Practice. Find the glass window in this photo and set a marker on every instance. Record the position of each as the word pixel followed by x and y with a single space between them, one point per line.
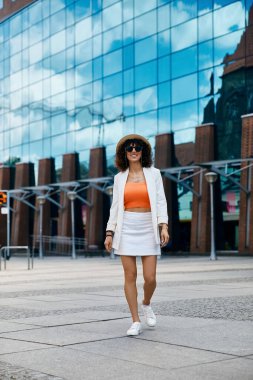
pixel 70 14
pixel 84 138
pixel 145 50
pixel 113 108
pixel 164 94
pixel 83 30
pixel 182 10
pixel 206 110
pixel 112 16
pixel 205 83
pixel 112 85
pixel 206 55
pixel 15 24
pixel 83 95
pixel 204 6
pixel 57 22
pixel 184 62
pixel 128 104
pixel 1 4
pixel 184 89
pixel 15 44
pixel 164 44
pixel 35 33
pixel 16 62
pixel 112 62
pixel 205 27
pixel 97 23
pixel 128 80
pixel 164 68
pixel 143 6
pixel 35 53
pixel 189 33
pixel 112 40
pixel 128 9
pixel 83 52
pixel 164 115
pixel 146 122
pixel 36 130
pixel 128 32
pixel 56 5
pixel 145 25
pixel 229 18
pixel 97 68
pixel 128 56
pixel 58 62
pixel 146 100
pixel 70 138
pixel 146 74
pixel 83 73
pixel 97 91
pixel 97 46
pixel 185 116
pixel 58 144
pixel 164 17
pixel 58 124
pixel 225 45
pixel 58 42
pixel 82 9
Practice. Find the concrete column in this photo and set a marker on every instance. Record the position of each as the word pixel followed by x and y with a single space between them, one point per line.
pixel 98 214
pixel 70 172
pixel 6 183
pixel 22 217
pixel 46 175
pixel 246 201
pixel 165 158
pixel 200 225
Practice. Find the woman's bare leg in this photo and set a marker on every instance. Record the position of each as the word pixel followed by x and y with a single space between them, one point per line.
pixel 130 271
pixel 149 275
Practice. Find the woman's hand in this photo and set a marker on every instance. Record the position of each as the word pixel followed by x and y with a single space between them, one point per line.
pixel 108 243
pixel 164 236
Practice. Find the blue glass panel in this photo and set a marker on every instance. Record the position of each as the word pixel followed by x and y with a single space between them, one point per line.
pixel 188 30
pixel 83 73
pixel 70 57
pixel 146 74
pixel 146 99
pixel 56 5
pixel 184 89
pixel 206 55
pixel 128 56
pixel 16 44
pixel 145 25
pixel 83 30
pixel 184 62
pixel 184 116
pixel 205 83
pixel 143 6
pixel 83 95
pixel 145 50
pixel 84 139
pixel 47 148
pixel 128 9
pixel 222 3
pixel 15 24
pixel 97 23
pixel 58 123
pixel 164 17
pixel 205 27
pixel 164 115
pixel 58 42
pixel 97 68
pixel 46 127
pixel 58 62
pixel 182 10
pixel 112 85
pixel 164 94
pixel 97 46
pixel 146 122
pixel 97 91
pixel 58 144
pixel 164 68
pixel 224 22
pixel 35 33
pixel 128 80
pixel 70 137
pixel 112 16
pixel 16 136
pixel 57 22
pixel 206 110
pixel 25 18
pixel 112 40
pixel 227 45
pixel 96 5
pixel 112 62
pixel 106 3
pixel 36 130
pixel 204 6
pixel 113 109
pixel 16 62
pixel 128 32
pixel 112 132
pixel 35 53
pixel 82 9
pixel 70 14
pixel 35 12
pixel 83 52
pixel 128 104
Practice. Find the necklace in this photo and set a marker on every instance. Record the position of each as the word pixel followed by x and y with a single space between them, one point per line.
pixel 136 177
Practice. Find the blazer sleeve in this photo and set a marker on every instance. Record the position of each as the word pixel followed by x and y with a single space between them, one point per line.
pixel 162 214
pixel 112 222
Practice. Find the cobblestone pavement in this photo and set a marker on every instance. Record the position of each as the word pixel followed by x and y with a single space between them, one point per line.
pixel 190 290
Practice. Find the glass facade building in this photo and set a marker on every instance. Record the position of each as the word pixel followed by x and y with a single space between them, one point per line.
pixel 80 74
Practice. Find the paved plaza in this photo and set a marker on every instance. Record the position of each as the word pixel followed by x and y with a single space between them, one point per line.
pixel 67 319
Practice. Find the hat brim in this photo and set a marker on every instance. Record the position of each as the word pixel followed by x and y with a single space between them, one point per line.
pixel 131 137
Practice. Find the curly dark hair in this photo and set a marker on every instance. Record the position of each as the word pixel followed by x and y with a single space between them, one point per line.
pixel 121 160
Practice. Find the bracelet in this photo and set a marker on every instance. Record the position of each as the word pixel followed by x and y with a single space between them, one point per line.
pixel 108 235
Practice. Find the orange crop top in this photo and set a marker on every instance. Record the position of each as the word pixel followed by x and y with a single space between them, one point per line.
pixel 136 195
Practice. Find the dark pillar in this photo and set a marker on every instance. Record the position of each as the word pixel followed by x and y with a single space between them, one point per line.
pixel 46 175
pixel 165 158
pixel 6 183
pixel 200 225
pixel 97 215
pixel 70 172
pixel 246 201
pixel 22 217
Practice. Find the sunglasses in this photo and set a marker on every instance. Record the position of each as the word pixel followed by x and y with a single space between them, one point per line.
pixel 137 148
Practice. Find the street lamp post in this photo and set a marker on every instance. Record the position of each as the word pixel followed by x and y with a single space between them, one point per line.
pixel 72 197
pixel 109 192
pixel 211 178
pixel 41 199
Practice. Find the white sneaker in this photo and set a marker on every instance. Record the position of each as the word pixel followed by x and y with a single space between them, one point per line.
pixel 135 329
pixel 149 315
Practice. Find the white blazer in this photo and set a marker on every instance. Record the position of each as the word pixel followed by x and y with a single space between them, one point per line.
pixel 157 202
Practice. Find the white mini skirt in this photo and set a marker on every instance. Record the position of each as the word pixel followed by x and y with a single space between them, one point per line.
pixel 137 235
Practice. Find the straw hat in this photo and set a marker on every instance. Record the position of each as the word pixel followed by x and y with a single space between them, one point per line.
pixel 131 137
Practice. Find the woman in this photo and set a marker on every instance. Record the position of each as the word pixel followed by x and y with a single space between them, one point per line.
pixel 138 211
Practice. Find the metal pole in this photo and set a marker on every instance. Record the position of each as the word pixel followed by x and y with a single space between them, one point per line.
pixel 213 252
pixel 40 229
pixel 73 229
